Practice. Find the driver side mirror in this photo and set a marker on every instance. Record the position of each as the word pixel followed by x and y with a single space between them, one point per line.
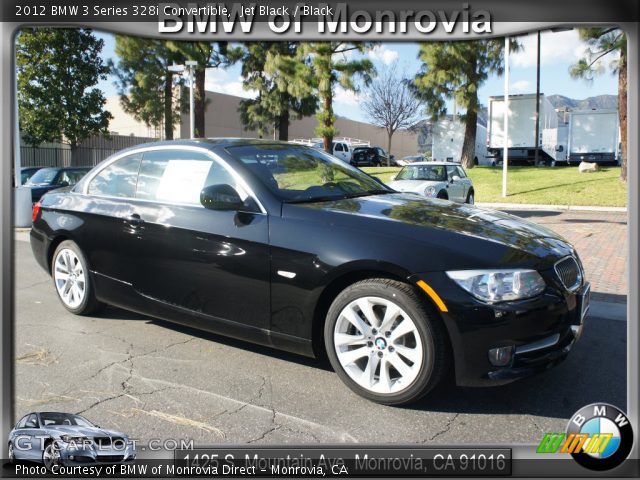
pixel 64 183
pixel 455 178
pixel 392 178
pixel 221 197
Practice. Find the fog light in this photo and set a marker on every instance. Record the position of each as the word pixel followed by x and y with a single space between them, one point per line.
pixel 501 356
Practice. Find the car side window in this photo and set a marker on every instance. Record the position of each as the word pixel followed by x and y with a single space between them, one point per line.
pixel 451 171
pixel 22 422
pixel 339 147
pixel 74 176
pixel 32 421
pixel 461 173
pixel 178 176
pixel 118 179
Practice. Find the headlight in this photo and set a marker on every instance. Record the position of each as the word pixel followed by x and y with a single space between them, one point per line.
pixel 499 285
pixel 78 441
pixel 430 191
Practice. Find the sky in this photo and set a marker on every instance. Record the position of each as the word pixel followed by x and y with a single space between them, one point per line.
pixel 559 50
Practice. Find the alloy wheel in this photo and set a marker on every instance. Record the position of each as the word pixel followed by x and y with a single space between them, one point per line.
pixel 70 278
pixel 50 456
pixel 378 345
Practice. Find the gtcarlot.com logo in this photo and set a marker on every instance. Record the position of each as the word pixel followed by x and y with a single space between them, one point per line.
pixel 599 437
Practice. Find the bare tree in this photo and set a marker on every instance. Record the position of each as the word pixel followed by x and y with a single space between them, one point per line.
pixel 390 103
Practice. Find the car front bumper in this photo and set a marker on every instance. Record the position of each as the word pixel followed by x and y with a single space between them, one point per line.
pixel 539 332
pixel 88 455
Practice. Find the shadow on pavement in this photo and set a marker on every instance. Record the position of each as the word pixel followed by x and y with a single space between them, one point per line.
pixel 595 371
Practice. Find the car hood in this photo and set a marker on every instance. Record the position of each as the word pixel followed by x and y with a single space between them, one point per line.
pixel 83 431
pixel 413 185
pixel 445 225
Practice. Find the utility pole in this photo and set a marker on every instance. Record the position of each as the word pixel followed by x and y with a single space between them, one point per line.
pixel 536 158
pixel 505 136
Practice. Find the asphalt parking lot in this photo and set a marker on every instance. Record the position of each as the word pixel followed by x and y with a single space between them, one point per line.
pixel 154 380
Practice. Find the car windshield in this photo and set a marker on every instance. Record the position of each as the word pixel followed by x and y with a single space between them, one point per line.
pixel 55 418
pixel 435 173
pixel 300 174
pixel 44 176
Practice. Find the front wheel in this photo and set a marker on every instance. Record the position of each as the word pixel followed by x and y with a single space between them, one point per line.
pixel 383 343
pixel 72 280
pixel 471 198
pixel 50 456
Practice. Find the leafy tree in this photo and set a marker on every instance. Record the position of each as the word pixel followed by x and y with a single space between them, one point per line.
pixel 602 42
pixel 332 66
pixel 208 55
pixel 456 70
pixel 272 69
pixel 391 104
pixel 57 69
pixel 144 82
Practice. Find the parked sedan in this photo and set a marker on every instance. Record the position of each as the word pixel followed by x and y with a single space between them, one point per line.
pixel 55 439
pixel 444 180
pixel 50 178
pixel 369 157
pixel 306 253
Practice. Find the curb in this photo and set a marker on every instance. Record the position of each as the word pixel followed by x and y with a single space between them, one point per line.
pixel 535 206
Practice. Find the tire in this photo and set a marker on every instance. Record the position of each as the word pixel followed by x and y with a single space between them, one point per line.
pixel 73 284
pixel 471 200
pixel 380 368
pixel 442 195
pixel 50 456
pixel 12 454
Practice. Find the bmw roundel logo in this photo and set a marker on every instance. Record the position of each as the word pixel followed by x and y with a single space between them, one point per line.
pixel 605 435
pixel 381 343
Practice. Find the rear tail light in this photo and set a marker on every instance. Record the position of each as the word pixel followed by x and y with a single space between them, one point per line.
pixel 35 211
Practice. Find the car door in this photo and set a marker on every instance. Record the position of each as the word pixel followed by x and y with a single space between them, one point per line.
pixel 456 187
pixel 466 181
pixel 382 156
pixel 19 439
pixel 213 263
pixel 32 439
pixel 338 150
pixel 108 217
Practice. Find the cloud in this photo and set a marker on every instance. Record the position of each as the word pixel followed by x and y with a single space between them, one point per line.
pixel 520 86
pixel 346 98
pixel 556 48
pixel 218 80
pixel 383 54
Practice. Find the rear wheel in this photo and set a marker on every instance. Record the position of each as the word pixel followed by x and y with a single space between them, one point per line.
pixel 383 343
pixel 72 280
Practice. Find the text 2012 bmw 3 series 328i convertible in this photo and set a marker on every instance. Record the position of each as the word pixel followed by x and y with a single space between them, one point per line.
pixel 285 246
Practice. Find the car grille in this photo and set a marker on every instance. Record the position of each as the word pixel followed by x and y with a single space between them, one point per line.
pixel 569 273
pixel 107 441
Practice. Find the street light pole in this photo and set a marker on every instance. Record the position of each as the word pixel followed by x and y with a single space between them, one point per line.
pixel 191 65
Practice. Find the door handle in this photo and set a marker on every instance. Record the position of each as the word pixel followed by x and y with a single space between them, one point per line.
pixel 134 220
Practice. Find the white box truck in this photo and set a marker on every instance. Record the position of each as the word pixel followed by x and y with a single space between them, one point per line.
pixel 522 128
pixel 594 136
pixel 448 137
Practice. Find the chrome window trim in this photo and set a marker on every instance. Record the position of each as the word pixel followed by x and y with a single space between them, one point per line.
pixel 216 158
pixel 578 284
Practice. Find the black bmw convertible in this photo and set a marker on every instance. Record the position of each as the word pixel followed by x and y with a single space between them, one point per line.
pixel 286 246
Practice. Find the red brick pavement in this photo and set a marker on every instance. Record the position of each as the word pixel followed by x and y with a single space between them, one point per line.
pixel 601 241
